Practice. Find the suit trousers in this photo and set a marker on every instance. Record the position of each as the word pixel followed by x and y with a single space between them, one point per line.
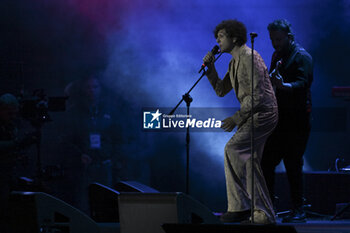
pixel 238 165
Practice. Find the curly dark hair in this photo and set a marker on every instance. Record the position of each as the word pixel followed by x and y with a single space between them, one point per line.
pixel 281 25
pixel 234 28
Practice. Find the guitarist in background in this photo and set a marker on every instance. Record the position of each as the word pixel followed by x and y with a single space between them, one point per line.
pixel 291 74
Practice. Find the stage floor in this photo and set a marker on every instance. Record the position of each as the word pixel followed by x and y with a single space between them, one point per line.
pixel 320 226
pixel 311 226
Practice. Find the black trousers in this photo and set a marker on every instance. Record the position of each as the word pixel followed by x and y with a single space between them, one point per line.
pixel 288 143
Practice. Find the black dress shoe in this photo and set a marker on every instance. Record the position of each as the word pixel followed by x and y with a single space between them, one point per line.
pixel 237 216
pixel 296 216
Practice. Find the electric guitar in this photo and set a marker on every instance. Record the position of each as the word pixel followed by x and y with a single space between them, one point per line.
pixel 274 73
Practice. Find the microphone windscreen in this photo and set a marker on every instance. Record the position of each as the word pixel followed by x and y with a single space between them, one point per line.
pixel 215 50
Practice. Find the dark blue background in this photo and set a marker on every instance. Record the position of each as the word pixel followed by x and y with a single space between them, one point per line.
pixel 149 53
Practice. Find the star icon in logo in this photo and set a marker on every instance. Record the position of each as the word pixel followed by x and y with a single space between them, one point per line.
pixel 156 115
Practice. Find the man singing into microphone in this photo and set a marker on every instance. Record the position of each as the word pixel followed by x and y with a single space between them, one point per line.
pixel 231 35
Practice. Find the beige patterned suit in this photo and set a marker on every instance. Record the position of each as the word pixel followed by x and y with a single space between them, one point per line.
pixel 238 148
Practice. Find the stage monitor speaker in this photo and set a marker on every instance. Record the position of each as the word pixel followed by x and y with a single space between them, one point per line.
pixel 36 212
pixel 104 200
pixel 146 212
pixel 225 228
pixel 103 203
pixel 133 186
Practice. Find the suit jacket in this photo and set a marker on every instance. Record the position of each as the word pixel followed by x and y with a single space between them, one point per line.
pixel 238 77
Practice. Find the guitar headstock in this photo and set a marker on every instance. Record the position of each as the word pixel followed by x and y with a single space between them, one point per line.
pixel 278 64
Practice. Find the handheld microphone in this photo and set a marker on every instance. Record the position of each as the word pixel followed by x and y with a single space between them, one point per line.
pixel 214 51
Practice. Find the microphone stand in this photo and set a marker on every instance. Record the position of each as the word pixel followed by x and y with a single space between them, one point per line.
pixel 252 36
pixel 188 99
